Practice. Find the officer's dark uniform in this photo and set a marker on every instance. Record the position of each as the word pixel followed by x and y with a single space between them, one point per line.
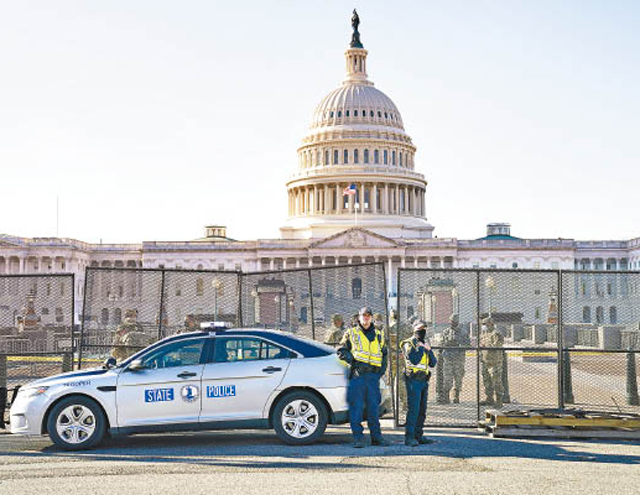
pixel 417 374
pixel 366 353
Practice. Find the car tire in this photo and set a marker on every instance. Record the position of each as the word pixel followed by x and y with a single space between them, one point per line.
pixel 76 423
pixel 300 418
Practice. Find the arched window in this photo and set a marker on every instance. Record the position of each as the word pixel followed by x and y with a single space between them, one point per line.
pixel 393 157
pixel 385 157
pixel 355 157
pixel 356 288
pixel 345 156
pixel 104 317
pixel 347 113
pixel 199 287
pixel 401 158
pixel 613 315
pixel 335 157
pixel 371 113
pixel 117 316
pixel 379 114
pixel 326 157
pixel 366 156
pixel 376 156
pixel 599 315
pixel 339 113
pixel 355 113
pixel 586 314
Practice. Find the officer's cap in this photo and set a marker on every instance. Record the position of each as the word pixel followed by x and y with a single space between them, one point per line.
pixel 366 311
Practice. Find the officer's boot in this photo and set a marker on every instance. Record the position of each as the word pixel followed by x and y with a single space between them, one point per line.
pixel 456 396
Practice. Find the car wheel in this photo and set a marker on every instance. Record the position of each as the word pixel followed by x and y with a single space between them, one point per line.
pixel 300 418
pixel 76 423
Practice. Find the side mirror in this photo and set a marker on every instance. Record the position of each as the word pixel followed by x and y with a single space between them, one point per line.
pixel 109 363
pixel 136 365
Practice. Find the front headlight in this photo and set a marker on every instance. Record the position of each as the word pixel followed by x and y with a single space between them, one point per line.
pixel 34 391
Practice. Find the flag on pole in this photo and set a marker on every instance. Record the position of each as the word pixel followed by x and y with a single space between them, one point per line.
pixel 349 190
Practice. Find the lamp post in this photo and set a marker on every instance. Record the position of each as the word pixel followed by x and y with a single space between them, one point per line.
pixel 216 284
pixel 491 285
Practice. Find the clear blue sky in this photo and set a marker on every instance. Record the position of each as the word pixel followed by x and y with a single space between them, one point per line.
pixel 150 119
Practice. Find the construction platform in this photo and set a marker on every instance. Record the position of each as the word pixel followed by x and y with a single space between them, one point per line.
pixel 560 423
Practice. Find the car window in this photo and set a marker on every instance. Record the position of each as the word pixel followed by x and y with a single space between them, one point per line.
pixel 232 349
pixel 181 353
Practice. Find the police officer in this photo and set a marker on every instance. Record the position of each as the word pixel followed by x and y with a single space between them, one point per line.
pixel 418 358
pixel 364 349
pixel 491 360
pixel 454 359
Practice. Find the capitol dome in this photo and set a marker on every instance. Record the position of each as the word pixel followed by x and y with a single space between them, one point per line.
pixel 356 164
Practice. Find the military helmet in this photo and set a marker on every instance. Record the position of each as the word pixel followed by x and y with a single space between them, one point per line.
pixel 419 325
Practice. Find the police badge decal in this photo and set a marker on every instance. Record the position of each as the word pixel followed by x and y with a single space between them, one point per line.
pixel 189 393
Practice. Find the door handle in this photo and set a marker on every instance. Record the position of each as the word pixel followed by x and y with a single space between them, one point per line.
pixel 186 374
pixel 271 369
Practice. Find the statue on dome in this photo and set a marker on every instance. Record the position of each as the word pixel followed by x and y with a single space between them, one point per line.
pixel 355 37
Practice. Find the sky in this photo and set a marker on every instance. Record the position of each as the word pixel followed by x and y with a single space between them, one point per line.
pixel 147 120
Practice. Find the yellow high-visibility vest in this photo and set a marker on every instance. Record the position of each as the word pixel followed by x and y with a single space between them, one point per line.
pixel 365 351
pixel 422 366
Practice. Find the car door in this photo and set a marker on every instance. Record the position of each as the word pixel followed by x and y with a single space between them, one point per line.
pixel 240 375
pixel 167 389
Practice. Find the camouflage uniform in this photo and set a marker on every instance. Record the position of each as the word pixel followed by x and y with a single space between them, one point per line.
pixel 129 337
pixel 333 336
pixel 492 364
pixel 454 359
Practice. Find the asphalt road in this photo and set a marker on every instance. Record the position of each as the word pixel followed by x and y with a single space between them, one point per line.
pixel 248 462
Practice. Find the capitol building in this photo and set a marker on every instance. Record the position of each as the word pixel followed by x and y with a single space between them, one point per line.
pixel 356 195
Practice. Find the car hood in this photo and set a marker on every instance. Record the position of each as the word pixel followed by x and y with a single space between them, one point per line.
pixel 81 375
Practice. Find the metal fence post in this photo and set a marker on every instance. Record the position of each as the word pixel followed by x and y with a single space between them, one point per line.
pixel 73 316
pixel 560 343
pixel 632 382
pixel 3 370
pixel 313 320
pixel 393 376
pixel 239 284
pixel 84 318
pixel 162 282
pixel 478 345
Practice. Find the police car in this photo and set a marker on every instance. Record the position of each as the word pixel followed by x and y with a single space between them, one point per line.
pixel 215 379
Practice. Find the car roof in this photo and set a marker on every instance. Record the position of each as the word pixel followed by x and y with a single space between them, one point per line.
pixel 302 345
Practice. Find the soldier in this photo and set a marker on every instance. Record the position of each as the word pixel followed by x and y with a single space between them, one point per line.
pixel 128 336
pixel 454 359
pixel 190 325
pixel 491 363
pixel 335 332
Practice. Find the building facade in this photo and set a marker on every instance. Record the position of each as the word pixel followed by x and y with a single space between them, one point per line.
pixel 355 197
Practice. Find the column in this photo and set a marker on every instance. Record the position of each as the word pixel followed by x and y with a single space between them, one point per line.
pixel 284 263
pixel 403 262
pixel 327 200
pixel 405 201
pixel 336 260
pixel 324 261
pixel 390 276
pixel 373 198
pixel 349 260
pixel 350 208
pixel 397 205
pixel 316 208
pixel 259 265
pixel 271 260
pixel 297 262
pixel 385 199
pixel 310 263
pixel 339 199
pixel 415 262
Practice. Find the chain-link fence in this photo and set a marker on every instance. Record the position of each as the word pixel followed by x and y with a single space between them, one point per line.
pixel 518 358
pixel 36 328
pixel 126 309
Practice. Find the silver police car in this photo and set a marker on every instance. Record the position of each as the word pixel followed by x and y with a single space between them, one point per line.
pixel 222 379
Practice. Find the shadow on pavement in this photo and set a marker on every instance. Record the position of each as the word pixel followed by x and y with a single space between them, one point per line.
pixel 226 448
